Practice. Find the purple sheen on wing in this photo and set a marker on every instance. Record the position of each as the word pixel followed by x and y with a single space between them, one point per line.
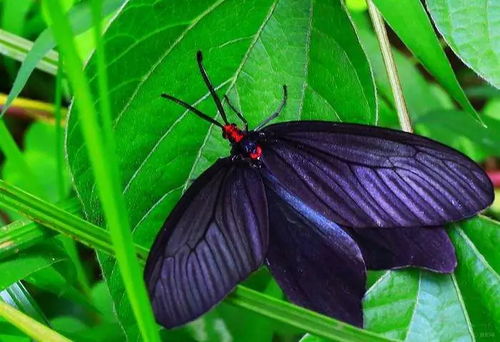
pixel 319 268
pixel 214 238
pixel 427 247
pixel 364 176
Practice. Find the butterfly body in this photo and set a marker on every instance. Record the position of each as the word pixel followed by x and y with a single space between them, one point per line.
pixel 244 144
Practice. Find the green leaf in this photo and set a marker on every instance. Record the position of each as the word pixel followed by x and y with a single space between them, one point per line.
pixel 28 325
pixel 417 306
pixel 24 264
pixel 24 233
pixel 248 326
pixel 13 19
pixel 14 15
pixel 411 23
pixel 17 48
pixel 471 29
pixel 309 45
pixel 19 236
pixel 78 331
pixel 451 126
pixel 40 155
pixel 60 281
pixel 476 243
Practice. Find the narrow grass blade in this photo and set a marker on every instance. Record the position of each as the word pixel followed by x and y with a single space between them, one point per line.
pixel 24 233
pixel 18 296
pixel 18 48
pixel 40 51
pixel 101 153
pixel 29 326
pixel 19 236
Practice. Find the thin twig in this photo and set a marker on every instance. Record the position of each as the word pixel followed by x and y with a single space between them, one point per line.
pixel 390 67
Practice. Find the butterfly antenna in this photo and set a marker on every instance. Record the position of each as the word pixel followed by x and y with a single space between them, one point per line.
pixel 218 103
pixel 238 113
pixel 277 112
pixel 192 109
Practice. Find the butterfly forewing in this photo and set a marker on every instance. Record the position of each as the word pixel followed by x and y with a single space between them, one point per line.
pixel 363 176
pixel 214 238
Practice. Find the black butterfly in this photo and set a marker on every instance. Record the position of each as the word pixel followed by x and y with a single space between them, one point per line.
pixel 319 202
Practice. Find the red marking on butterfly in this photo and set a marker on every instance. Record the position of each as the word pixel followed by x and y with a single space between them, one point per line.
pixel 232 133
pixel 257 153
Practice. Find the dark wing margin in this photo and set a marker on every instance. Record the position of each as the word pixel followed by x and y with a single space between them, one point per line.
pixel 429 248
pixel 316 263
pixel 366 176
pixel 215 237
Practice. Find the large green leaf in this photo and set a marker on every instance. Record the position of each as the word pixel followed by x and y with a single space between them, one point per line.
pixel 251 48
pixel 417 306
pixel 20 266
pixel 471 29
pixel 422 306
pixel 476 243
pixel 452 127
pixel 411 23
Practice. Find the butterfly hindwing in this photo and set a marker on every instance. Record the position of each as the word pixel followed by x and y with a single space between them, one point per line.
pixel 316 263
pixel 215 237
pixel 366 176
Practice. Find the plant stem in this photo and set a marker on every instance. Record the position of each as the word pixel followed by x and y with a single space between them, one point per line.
pixel 390 67
pixel 104 167
pixel 59 139
pixel 102 75
pixel 29 326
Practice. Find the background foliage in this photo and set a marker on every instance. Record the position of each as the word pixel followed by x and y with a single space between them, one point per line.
pixel 328 55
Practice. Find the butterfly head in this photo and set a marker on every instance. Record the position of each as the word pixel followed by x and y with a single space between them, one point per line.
pixel 244 143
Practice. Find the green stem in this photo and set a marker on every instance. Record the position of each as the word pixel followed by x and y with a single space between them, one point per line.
pixel 390 67
pixel 24 233
pixel 104 167
pixel 102 75
pixel 59 132
pixel 57 219
pixel 29 326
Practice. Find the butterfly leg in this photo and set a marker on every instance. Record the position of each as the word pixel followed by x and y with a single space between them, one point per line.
pixel 277 112
pixel 238 113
